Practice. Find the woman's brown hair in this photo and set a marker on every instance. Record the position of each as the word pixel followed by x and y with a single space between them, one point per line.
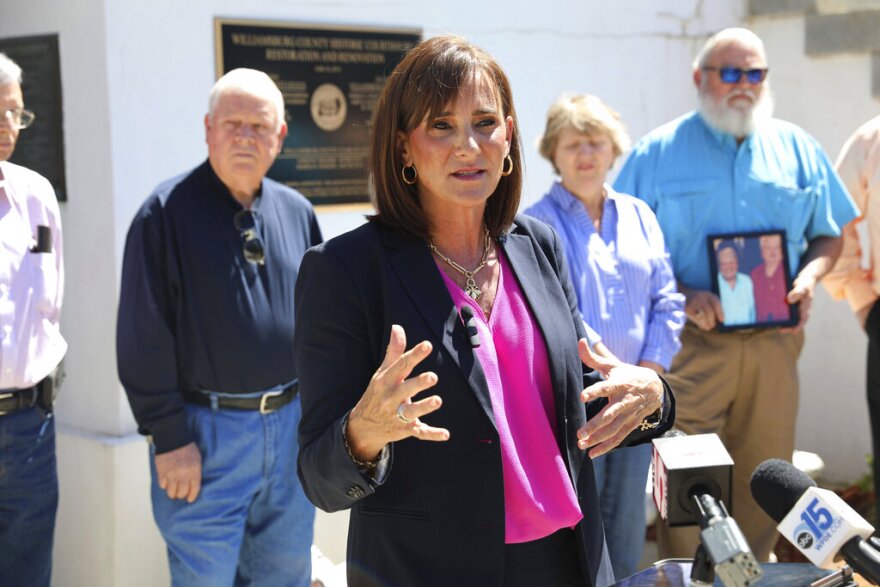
pixel 428 78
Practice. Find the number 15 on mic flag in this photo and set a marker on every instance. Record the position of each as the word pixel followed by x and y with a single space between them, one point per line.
pixel 820 523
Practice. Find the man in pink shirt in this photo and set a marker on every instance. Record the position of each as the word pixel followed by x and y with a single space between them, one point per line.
pixel 768 279
pixel 859 166
pixel 31 348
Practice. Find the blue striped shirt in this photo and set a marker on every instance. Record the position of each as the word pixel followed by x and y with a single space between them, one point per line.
pixel 622 277
pixel 699 182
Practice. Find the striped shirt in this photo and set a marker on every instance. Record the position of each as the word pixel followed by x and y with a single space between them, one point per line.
pixel 622 277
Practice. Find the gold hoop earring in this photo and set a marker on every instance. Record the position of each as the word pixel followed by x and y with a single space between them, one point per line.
pixel 415 174
pixel 509 170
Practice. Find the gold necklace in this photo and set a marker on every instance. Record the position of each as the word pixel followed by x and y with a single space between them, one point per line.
pixel 470 287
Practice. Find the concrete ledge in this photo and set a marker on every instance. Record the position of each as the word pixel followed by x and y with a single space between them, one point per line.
pixel 105 535
pixel 779 7
pixel 853 32
pixel 832 6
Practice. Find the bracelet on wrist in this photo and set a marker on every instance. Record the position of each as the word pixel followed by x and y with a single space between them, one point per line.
pixel 651 421
pixel 358 463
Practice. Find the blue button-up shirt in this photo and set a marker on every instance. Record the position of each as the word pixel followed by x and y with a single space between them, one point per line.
pixel 622 277
pixel 193 313
pixel 699 182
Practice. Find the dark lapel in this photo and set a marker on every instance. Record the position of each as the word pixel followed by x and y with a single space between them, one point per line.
pixel 418 275
pixel 523 255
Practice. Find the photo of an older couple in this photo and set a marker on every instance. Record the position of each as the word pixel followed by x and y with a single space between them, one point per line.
pixel 753 277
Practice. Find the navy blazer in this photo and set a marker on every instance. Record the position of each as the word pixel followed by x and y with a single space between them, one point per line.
pixel 438 517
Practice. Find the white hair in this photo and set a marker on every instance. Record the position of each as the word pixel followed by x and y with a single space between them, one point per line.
pixel 251 82
pixel 742 35
pixel 10 72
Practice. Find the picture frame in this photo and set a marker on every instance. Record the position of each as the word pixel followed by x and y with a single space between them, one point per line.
pixel 751 275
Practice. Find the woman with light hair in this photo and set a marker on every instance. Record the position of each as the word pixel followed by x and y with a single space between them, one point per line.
pixel 623 280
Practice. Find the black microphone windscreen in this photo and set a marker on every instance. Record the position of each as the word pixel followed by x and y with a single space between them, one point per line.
pixel 777 485
pixel 470 326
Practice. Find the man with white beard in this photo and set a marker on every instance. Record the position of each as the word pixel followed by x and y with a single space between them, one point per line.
pixel 729 167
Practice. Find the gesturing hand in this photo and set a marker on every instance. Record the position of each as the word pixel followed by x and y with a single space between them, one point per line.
pixel 386 412
pixel 633 393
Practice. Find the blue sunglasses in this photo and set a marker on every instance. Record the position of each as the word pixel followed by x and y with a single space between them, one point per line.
pixel 732 75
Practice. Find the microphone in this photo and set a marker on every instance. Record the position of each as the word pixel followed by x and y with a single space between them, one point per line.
pixel 692 479
pixel 470 326
pixel 685 466
pixel 816 521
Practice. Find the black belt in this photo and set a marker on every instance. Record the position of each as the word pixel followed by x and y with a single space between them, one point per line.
pixel 266 403
pixel 18 399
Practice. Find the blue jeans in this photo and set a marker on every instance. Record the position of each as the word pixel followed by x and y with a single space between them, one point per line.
pixel 621 476
pixel 28 497
pixel 251 523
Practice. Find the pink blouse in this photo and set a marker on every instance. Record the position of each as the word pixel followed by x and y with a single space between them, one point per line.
pixel 539 497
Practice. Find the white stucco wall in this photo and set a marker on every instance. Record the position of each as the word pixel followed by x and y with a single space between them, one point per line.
pixel 135 78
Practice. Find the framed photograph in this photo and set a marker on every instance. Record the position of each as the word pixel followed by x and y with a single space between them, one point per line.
pixel 751 278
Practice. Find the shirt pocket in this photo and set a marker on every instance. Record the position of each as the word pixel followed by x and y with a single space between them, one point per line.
pixel 44 281
pixel 786 207
pixel 685 209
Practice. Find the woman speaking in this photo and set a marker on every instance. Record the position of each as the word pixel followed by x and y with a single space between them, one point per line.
pixel 463 452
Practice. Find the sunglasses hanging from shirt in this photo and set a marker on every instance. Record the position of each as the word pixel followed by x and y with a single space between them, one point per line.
pixel 732 75
pixel 252 245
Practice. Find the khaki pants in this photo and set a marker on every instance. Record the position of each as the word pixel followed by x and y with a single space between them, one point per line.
pixel 743 386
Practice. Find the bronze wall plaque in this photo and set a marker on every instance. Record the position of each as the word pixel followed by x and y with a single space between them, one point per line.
pixel 331 78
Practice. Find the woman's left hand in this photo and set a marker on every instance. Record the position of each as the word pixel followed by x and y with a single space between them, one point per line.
pixel 633 394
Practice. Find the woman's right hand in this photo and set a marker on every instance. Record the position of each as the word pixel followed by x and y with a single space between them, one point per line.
pixel 386 412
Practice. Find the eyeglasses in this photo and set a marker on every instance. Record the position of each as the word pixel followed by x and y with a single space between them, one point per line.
pixel 252 247
pixel 18 117
pixel 239 128
pixel 732 75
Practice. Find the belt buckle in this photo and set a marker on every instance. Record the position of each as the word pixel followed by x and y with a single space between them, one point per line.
pixel 5 396
pixel 264 409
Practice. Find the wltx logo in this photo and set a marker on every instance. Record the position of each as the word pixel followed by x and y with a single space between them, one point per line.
pixel 816 527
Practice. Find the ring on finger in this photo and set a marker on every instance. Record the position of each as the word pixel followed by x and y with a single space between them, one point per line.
pixel 400 415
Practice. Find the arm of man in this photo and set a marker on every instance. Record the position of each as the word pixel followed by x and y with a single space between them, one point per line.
pixel 819 258
pixel 147 355
pixel 848 279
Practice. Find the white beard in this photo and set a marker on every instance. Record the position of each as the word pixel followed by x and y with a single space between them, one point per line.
pixel 733 120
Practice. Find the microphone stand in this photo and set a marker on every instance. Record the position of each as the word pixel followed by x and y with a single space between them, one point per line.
pixel 723 548
pixel 702 571
pixel 843 577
